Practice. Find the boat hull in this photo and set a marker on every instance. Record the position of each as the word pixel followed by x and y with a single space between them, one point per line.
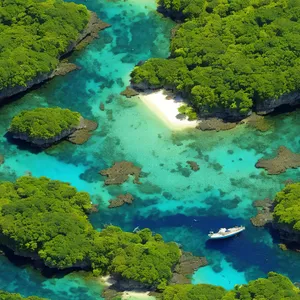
pixel 217 236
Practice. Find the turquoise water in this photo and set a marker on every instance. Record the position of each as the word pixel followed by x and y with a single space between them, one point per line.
pixel 180 204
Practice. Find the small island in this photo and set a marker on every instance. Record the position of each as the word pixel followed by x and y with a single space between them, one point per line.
pixel 45 126
pixel 46 220
pixel 33 40
pixel 225 61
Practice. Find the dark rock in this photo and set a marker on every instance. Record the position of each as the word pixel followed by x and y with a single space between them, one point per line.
pixel 102 107
pixel 194 166
pixel 268 106
pixel 181 116
pixel 284 160
pixel 119 173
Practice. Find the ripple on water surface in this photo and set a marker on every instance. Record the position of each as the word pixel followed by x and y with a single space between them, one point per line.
pixel 173 200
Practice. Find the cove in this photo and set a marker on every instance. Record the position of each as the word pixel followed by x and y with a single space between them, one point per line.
pixel 172 200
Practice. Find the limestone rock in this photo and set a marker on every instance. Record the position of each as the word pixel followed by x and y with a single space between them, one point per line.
pixel 187 265
pixel 83 133
pixel 215 124
pixel 121 200
pixel 284 160
pixel 119 173
pixel 129 92
pixel 264 212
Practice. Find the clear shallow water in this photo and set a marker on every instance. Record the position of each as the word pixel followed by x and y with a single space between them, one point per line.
pixel 180 204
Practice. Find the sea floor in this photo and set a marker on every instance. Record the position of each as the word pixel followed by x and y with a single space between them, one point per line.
pixel 172 200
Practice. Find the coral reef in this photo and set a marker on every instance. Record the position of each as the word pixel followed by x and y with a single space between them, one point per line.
pixel 187 265
pixel 121 200
pixel 82 134
pixel 194 166
pixel 215 124
pixel 129 92
pixel 120 171
pixel 264 212
pixel 284 160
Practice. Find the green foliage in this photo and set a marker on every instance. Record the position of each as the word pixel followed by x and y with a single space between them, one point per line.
pixel 12 296
pixel 189 111
pixel 44 123
pixel 33 34
pixel 274 287
pixel 287 207
pixel 230 53
pixel 193 292
pixel 43 217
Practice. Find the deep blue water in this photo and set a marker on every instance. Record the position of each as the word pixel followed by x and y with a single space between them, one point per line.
pixel 172 200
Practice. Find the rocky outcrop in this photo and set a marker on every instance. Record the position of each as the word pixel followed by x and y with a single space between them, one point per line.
pixel 77 135
pixel 129 92
pixel 284 160
pixel 258 122
pixel 215 124
pixel 121 200
pixel 287 234
pixel 83 133
pixel 268 106
pixel 194 166
pixel 264 212
pixel 119 173
pixel 187 265
pixel 89 33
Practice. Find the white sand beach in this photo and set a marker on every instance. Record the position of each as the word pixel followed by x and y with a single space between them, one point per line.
pixel 136 296
pixel 166 109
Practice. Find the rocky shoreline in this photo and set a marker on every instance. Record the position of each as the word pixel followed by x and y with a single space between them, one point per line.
pixel 89 33
pixel 76 135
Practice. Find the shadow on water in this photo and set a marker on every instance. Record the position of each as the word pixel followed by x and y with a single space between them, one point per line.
pixel 29 147
pixel 26 262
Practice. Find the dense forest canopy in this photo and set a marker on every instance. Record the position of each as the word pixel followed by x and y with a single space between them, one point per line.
pixel 274 287
pixel 13 296
pixel 33 34
pixel 44 122
pixel 287 207
pixel 48 218
pixel 229 54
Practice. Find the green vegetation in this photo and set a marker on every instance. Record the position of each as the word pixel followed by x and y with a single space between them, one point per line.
pixel 12 296
pixel 188 111
pixel 33 34
pixel 274 287
pixel 287 207
pixel 44 123
pixel 229 54
pixel 48 218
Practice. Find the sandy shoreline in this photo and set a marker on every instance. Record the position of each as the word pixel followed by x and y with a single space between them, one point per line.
pixel 166 110
pixel 126 295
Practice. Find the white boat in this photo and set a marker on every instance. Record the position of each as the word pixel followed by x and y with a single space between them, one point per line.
pixel 225 233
